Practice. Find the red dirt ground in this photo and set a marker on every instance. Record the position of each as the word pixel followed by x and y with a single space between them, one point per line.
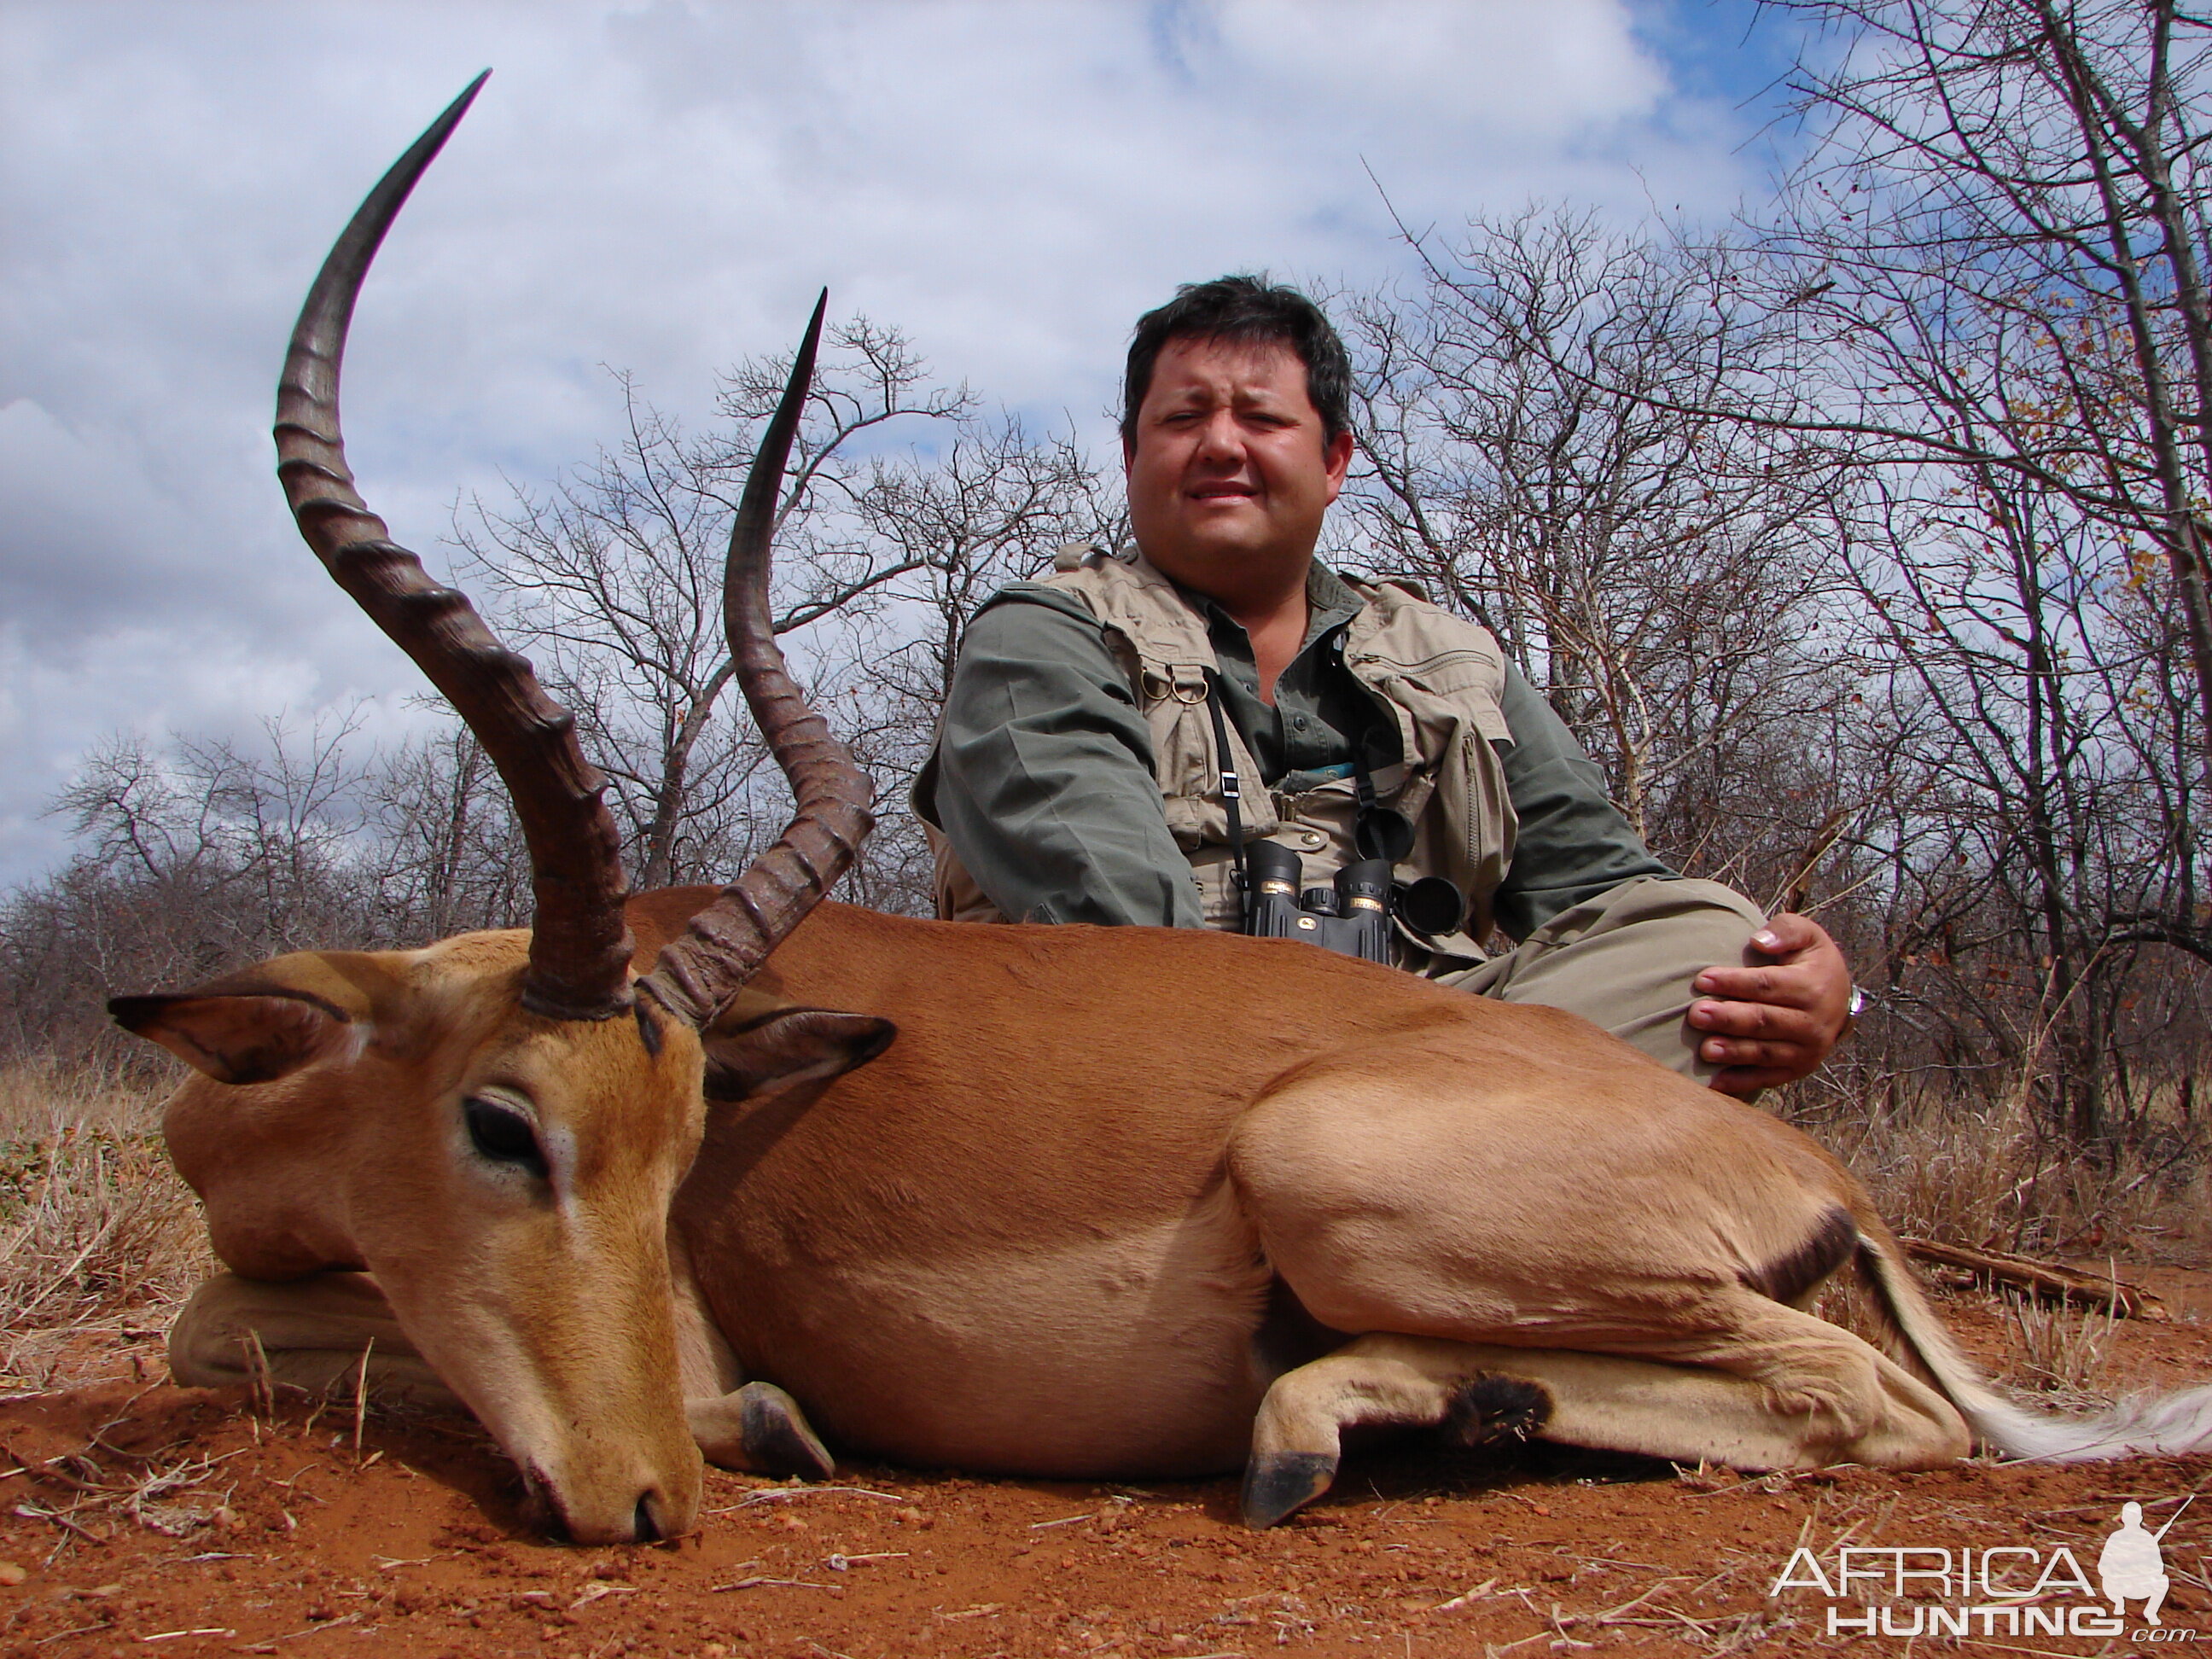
pixel 137 1517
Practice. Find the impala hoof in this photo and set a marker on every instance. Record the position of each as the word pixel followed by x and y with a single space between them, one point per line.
pixel 1276 1483
pixel 776 1438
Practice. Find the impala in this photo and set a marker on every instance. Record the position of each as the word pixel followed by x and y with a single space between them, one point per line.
pixel 736 1172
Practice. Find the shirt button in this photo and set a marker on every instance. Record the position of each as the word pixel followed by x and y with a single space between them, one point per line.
pixel 1312 838
pixel 1299 721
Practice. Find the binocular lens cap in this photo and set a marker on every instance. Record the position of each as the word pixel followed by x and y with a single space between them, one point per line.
pixel 1382 833
pixel 1432 906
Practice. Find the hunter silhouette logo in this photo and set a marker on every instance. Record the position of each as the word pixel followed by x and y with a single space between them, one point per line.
pixel 2015 1590
pixel 2131 1565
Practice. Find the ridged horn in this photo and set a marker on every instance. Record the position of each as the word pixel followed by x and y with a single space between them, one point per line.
pixel 728 940
pixel 580 947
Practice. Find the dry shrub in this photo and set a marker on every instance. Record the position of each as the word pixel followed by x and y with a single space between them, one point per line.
pixel 1982 1174
pixel 42 1097
pixel 97 1233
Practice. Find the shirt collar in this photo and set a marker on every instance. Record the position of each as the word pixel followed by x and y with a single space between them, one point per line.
pixel 1329 603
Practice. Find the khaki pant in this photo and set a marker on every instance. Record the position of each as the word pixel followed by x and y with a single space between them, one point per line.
pixel 1625 961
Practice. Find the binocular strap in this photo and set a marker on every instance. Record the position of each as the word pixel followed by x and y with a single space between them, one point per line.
pixel 1232 788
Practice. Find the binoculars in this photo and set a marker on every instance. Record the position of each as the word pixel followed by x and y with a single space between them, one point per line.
pixel 1353 914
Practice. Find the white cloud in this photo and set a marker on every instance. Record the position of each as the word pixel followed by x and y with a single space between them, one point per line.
pixel 662 187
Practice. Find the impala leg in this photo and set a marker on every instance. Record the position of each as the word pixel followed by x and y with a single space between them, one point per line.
pixel 1848 1403
pixel 311 1332
pixel 1298 1438
pixel 753 1427
pixel 1481 1393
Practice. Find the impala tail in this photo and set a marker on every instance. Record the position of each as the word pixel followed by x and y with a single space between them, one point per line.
pixel 2159 1426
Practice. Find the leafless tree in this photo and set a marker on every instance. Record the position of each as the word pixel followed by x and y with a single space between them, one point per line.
pixel 989 509
pixel 2046 813
pixel 1997 249
pixel 613 580
pixel 1531 457
pixel 447 854
pixel 195 855
pixel 886 540
pixel 1987 286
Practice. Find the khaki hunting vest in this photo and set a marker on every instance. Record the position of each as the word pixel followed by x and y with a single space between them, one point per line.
pixel 1438 677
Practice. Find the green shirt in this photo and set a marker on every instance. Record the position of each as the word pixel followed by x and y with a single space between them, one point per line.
pixel 1046 785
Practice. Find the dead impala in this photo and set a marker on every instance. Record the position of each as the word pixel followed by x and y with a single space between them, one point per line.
pixel 1060 1201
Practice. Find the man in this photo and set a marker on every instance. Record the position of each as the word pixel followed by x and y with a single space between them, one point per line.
pixel 1076 773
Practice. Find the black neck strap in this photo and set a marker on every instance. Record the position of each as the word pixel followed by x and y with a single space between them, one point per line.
pixel 1224 760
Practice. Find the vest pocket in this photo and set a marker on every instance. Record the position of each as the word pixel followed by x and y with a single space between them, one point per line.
pixel 1451 673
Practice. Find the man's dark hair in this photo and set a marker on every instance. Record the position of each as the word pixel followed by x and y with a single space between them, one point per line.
pixel 1252 310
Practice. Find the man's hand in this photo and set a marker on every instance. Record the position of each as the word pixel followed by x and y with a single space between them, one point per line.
pixel 1779 1020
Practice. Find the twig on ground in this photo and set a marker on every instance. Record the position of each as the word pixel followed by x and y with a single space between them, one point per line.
pixel 360 1398
pixel 784 1494
pixel 1465 1596
pixel 263 1383
pixel 59 1635
pixel 317 1630
pixel 33 1512
pixel 795 1584
pixel 2046 1281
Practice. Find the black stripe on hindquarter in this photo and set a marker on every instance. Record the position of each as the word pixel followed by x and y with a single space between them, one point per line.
pixel 1794 1274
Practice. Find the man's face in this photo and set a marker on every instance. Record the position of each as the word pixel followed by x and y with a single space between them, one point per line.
pixel 1229 473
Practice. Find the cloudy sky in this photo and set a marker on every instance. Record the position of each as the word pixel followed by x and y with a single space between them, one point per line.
pixel 661 186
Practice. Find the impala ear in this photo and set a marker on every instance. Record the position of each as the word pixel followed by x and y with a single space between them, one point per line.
pixel 254 1026
pixel 790 1046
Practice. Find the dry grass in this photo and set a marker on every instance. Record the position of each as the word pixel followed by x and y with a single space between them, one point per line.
pixel 98 1237
pixel 1983 1176
pixel 2060 1350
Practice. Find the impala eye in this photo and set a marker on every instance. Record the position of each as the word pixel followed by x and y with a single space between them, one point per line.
pixel 503 1136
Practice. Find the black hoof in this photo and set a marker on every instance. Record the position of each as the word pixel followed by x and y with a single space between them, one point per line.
pixel 776 1438
pixel 1276 1483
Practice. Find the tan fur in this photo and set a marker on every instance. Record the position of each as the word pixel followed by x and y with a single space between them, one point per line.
pixel 551 1320
pixel 1109 1197
pixel 1037 1234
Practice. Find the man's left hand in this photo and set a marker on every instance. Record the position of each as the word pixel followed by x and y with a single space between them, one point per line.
pixel 1774 1023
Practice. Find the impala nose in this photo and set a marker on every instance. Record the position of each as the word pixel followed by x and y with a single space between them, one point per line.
pixel 646 1528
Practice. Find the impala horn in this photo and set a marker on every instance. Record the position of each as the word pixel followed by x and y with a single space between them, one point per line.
pixel 700 971
pixel 579 946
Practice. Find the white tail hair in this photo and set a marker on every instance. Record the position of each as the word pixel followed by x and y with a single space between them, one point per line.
pixel 2148 1425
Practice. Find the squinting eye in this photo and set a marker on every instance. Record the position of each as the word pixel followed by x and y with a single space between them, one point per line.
pixel 503 1136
